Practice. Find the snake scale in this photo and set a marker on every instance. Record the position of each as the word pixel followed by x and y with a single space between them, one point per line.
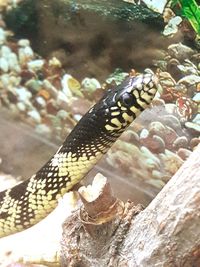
pixel 30 201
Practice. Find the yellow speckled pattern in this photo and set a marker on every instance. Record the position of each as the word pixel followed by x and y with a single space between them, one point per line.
pixel 29 202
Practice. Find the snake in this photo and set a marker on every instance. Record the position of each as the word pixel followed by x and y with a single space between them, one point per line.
pixel 30 201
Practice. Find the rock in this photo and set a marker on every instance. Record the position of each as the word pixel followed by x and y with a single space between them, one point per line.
pixel 5 51
pixel 24 42
pixel 144 133
pixel 154 143
pixel 117 76
pixel 181 142
pixel 25 55
pixel 2 36
pixel 150 156
pixel 169 137
pixel 40 102
pixel 172 27
pixel 13 62
pixel 21 106
pixel 180 51
pixel 196 119
pixel 35 116
pixel 90 84
pixel 130 136
pixel 23 95
pixel 171 121
pixel 190 79
pixel 77 117
pixel 36 64
pixel 43 129
pixel 33 85
pixel 170 108
pixel 156 128
pixel 50 88
pixel 183 153
pixel 171 161
pixel 70 86
pixel 193 127
pixel 52 107
pixel 62 114
pixel 196 98
pixel 62 100
pixel 194 142
pixel 4 66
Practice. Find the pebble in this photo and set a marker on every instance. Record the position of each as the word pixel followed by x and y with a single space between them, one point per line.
pixel 193 127
pixel 2 36
pixel 180 142
pixel 180 51
pixel 4 66
pixel 62 100
pixel 77 117
pixel 184 153
pixel 156 128
pixel 40 102
pixel 194 142
pixel 23 95
pixel 170 108
pixel 35 65
pixel 35 116
pixel 50 88
pixel 172 27
pixel 70 86
pixel 13 62
pixel 171 161
pixel 62 114
pixel 130 136
pixel 171 121
pixel 144 134
pixel 25 55
pixel 90 84
pixel 5 51
pixel 196 119
pixel 33 85
pixel 196 97
pixel 154 143
pixel 190 79
pixel 24 42
pixel 21 106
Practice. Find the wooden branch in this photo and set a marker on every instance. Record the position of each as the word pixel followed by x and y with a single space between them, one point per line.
pixel 166 233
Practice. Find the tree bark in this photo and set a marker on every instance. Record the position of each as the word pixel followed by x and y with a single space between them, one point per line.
pixel 166 233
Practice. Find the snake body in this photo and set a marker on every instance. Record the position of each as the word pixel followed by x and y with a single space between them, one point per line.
pixel 30 201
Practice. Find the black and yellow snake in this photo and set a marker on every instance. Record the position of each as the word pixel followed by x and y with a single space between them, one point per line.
pixel 30 201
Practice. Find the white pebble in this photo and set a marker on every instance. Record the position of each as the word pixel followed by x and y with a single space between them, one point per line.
pixel 2 36
pixel 23 95
pixel 35 64
pixel 90 84
pixel 13 62
pixel 41 101
pixel 144 133
pixel 4 65
pixel 35 115
pixel 24 42
pixel 77 117
pixel 196 98
pixel 5 51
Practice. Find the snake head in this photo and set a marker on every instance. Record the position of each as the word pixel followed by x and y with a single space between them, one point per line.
pixel 129 99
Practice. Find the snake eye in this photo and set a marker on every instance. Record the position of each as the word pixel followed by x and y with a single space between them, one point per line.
pixel 127 100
